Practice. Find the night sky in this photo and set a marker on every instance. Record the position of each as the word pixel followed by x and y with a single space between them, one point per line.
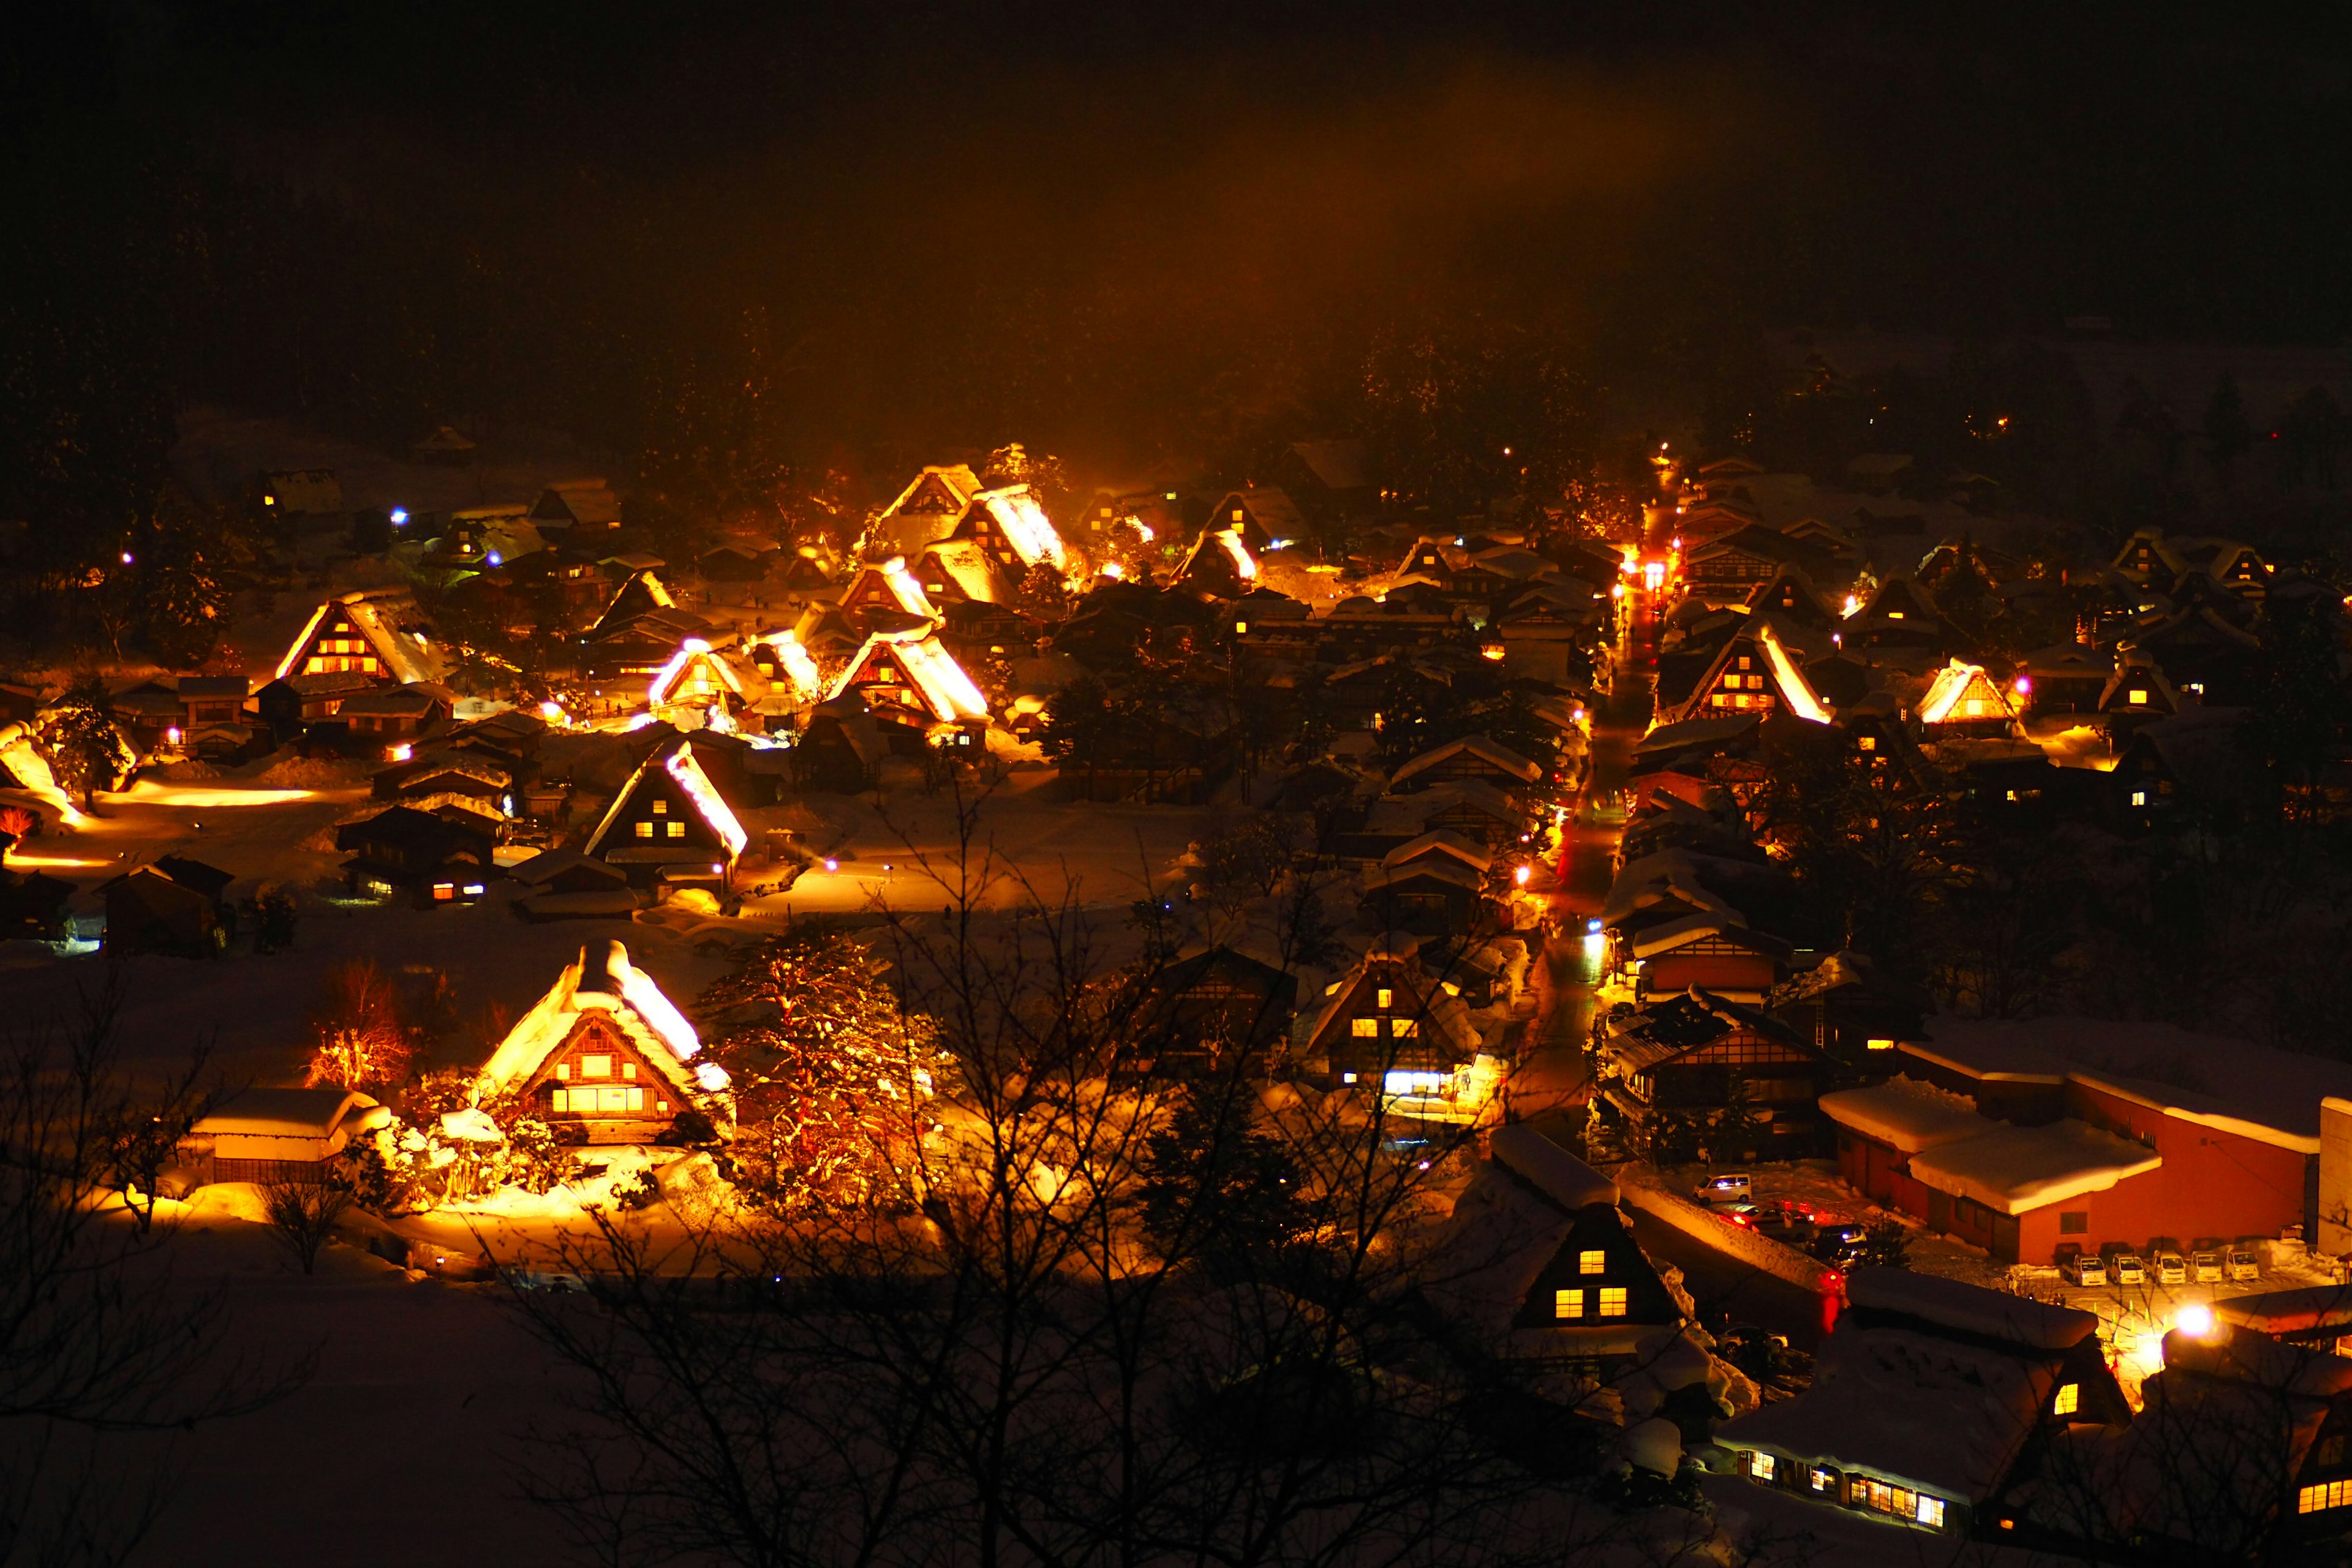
pixel 1131 227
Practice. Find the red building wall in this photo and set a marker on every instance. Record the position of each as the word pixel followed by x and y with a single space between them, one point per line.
pixel 1671 973
pixel 2211 1183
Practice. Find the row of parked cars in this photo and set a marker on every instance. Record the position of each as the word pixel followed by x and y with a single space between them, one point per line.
pixel 2206 1265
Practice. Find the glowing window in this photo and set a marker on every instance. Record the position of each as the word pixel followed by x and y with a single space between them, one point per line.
pixel 678 830
pixel 1823 1481
pixel 1567 1303
pixel 1365 1028
pixel 1893 614
pixel 1592 1262
pixel 644 830
pixel 1881 1044
pixel 562 1100
pixel 2140 798
pixel 661 808
pixel 628 1070
pixel 2138 696
pixel 442 890
pixel 2324 1496
pixel 1931 1512
pixel 2069 1400
pixel 1385 998
pixel 1405 1028
pixel 1761 1464
pixel 1241 628
pixel 563 1072
pixel 1612 1300
pixel 595 1067
pixel 1868 742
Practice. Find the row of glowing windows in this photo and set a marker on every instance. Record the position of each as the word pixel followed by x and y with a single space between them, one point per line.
pixel 615 1097
pixel 1741 699
pixel 2323 1495
pixel 1863 1491
pixel 316 666
pixel 594 1066
pixel 1398 1028
pixel 1571 1304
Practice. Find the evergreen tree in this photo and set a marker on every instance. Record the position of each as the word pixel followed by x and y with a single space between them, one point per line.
pixel 85 750
pixel 1215 1187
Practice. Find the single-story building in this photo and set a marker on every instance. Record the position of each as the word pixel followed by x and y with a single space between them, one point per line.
pixel 279 1135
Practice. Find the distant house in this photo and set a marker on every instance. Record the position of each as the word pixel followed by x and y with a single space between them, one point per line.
pixel 667 829
pixel 909 679
pixel 1389 1027
pixel 1175 754
pixel 377 633
pixel 577 509
pixel 927 510
pixel 446 446
pixel 560 884
pixel 279 1136
pixel 1471 757
pixel 1471 807
pixel 1214 1011
pixel 1790 592
pixel 34 904
pixel 1760 668
pixel 841 748
pixel 2064 678
pixel 287 706
pixel 1330 480
pixel 1260 517
pixel 1677 1070
pixel 301 492
pixel 1934 1404
pixel 1963 699
pixel 606 1057
pixel 404 851
pixel 1220 563
pixel 394 715
pixel 1538 1261
pixel 1849 1010
pixel 1430 896
pixel 738 560
pixel 886 596
pixel 1012 528
pixel 173 906
pixel 1714 953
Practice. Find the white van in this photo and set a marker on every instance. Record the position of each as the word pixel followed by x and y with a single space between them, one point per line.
pixel 1731 1187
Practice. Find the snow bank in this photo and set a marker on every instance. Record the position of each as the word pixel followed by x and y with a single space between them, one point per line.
pixel 1969 1308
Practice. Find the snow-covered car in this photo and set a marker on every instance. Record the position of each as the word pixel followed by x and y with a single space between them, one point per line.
pixel 2244 1267
pixel 2129 1268
pixel 2205 1268
pixel 2171 1269
pixel 2085 1268
pixel 1730 1188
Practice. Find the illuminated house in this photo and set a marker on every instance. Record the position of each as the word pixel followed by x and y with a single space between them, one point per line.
pixel 1963 699
pixel 927 510
pixel 375 634
pixel 605 1057
pixel 1260 515
pixel 669 828
pixel 1934 1404
pixel 1219 563
pixel 1761 669
pixel 279 1135
pixel 909 679
pixel 429 859
pixel 1538 1260
pixel 1388 1025
pixel 1012 529
pixel 2137 693
pixel 885 596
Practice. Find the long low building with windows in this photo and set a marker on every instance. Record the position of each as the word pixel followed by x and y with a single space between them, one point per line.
pixel 2021 1140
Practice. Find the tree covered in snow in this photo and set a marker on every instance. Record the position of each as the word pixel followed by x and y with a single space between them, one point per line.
pixel 84 748
pixel 833 1078
pixel 359 1041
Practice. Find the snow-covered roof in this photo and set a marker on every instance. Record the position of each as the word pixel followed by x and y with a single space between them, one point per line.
pixel 1971 1308
pixel 1557 1173
pixel 963 562
pixel 1669 935
pixel 957 478
pixel 1440 841
pixel 1905 1114
pixel 2212 1080
pixel 945 689
pixel 1942 1414
pixel 1499 756
pixel 1963 691
pixel 1025 524
pixel 630 1001
pixel 2013 1169
pixel 285 1112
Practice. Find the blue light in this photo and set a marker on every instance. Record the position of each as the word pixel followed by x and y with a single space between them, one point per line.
pixel 399 516
pixel 494 558
pixel 1592 925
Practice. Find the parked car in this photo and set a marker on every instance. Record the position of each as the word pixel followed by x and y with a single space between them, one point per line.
pixel 2085 1268
pixel 2171 1269
pixel 2243 1266
pixel 2129 1268
pixel 1838 1242
pixel 1730 1188
pixel 2205 1268
pixel 1740 1213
